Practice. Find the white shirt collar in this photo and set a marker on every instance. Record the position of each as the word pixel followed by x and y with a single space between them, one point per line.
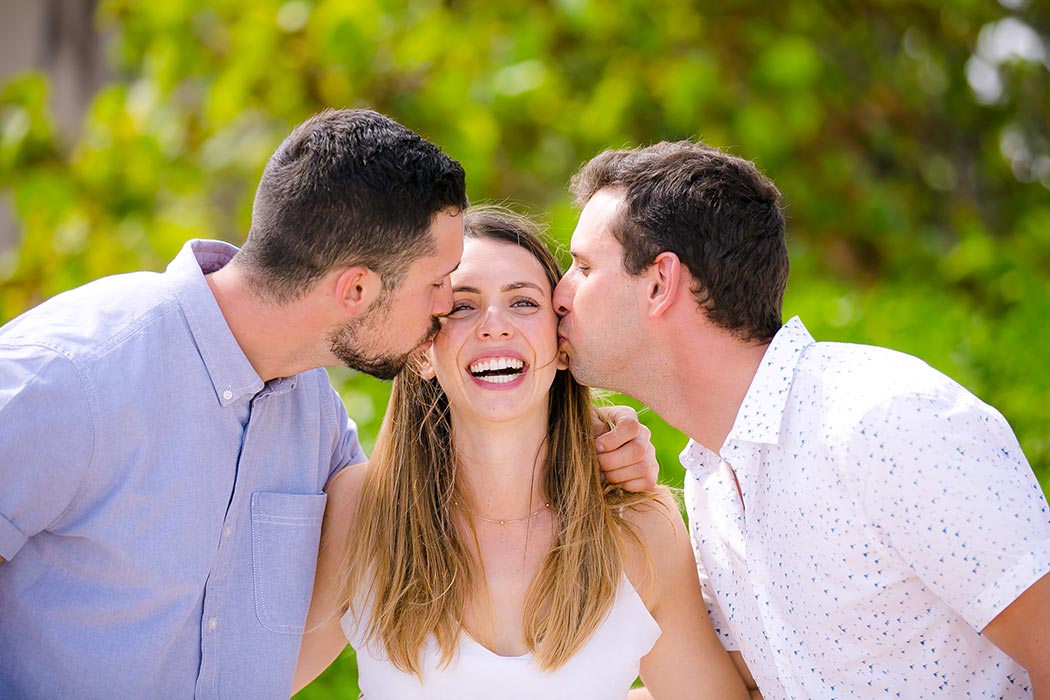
pixel 762 412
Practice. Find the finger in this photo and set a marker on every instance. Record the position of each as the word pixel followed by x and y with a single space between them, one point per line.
pixel 622 434
pixel 613 415
pixel 605 417
pixel 636 477
pixel 623 456
pixel 637 485
pixel 599 425
pixel 628 462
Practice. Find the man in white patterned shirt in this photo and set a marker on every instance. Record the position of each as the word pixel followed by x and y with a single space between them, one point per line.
pixel 864 527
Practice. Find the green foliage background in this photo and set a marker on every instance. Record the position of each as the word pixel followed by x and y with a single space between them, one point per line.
pixel 918 207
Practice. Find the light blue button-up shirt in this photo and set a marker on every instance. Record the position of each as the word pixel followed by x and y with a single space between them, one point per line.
pixel 160 506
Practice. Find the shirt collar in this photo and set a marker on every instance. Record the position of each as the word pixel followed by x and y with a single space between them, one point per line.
pixel 232 376
pixel 762 412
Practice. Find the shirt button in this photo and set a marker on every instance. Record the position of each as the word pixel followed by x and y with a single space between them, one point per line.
pixel 212 624
pixel 227 394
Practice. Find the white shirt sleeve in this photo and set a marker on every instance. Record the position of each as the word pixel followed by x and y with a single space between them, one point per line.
pixel 948 490
pixel 714 611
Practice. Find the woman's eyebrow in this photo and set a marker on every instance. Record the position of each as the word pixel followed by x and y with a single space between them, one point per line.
pixel 521 285
pixel 505 288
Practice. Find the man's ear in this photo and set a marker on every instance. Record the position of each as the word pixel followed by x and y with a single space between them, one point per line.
pixel 664 281
pixel 355 290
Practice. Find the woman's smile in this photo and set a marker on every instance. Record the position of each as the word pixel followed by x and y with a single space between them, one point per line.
pixel 498 371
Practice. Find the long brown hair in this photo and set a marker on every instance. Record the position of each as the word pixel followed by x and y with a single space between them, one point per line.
pixel 407 560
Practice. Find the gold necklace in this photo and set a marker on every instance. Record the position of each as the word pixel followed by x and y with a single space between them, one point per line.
pixel 508 521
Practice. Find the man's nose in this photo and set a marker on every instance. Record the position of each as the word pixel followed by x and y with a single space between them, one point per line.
pixel 561 299
pixel 443 300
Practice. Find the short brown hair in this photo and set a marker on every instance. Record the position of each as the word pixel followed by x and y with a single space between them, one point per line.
pixel 718 213
pixel 347 187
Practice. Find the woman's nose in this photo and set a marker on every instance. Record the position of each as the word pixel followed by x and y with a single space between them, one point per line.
pixel 495 324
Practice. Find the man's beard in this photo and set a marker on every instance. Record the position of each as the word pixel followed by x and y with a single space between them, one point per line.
pixel 346 344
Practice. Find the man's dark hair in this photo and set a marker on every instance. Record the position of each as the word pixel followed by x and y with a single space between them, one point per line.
pixel 716 212
pixel 347 187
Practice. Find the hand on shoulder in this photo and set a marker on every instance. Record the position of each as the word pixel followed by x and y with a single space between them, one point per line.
pixel 625 448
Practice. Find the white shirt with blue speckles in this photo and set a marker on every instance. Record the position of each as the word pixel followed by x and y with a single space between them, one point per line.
pixel 887 515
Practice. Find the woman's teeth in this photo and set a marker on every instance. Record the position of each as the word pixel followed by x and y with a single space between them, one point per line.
pixel 497 370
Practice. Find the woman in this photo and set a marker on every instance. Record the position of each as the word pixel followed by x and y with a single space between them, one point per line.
pixel 487 558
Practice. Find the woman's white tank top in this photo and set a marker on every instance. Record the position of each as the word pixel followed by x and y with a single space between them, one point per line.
pixel 603 669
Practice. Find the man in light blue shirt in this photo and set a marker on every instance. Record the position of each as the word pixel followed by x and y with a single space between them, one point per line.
pixel 167 437
pixel 166 508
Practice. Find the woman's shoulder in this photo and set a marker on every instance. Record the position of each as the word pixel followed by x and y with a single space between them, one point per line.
pixel 656 519
pixel 662 538
pixel 347 482
pixel 344 493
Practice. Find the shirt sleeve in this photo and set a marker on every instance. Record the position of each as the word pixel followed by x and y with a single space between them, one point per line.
pixel 46 444
pixel 714 610
pixel 949 491
pixel 346 449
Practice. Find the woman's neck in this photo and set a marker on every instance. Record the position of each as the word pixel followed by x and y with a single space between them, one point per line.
pixel 501 466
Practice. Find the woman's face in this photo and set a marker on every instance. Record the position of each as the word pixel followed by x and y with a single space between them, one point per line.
pixel 497 352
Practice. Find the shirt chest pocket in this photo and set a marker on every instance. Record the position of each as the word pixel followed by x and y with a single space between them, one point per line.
pixel 286 530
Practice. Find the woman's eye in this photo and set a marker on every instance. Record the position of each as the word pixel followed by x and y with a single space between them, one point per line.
pixel 459 306
pixel 525 303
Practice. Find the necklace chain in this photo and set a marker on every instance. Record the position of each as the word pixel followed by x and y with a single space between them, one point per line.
pixel 509 521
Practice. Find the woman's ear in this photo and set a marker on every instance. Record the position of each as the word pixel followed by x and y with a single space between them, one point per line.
pixel 424 366
pixel 562 360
